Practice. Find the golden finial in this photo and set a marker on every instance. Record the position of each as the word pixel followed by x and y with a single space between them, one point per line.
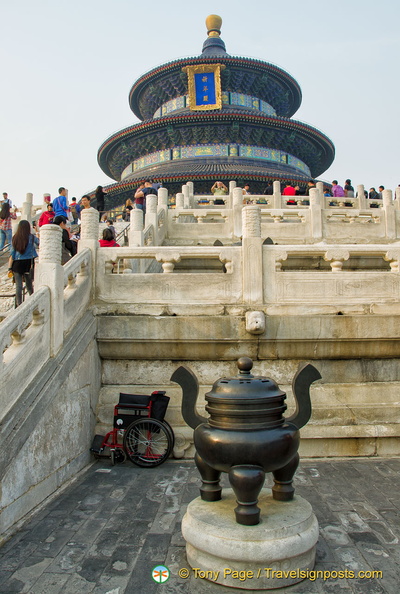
pixel 213 24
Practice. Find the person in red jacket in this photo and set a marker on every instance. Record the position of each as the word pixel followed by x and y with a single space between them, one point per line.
pixel 47 216
pixel 108 239
pixel 289 190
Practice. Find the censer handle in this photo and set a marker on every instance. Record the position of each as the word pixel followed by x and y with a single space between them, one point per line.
pixel 190 390
pixel 305 376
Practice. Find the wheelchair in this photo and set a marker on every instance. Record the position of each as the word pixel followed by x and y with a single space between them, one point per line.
pixel 139 431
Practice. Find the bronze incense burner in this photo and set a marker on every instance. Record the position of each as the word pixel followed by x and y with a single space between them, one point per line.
pixel 246 434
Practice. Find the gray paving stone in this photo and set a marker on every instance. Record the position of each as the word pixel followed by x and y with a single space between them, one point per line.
pixel 335 501
pixel 75 584
pixel 105 544
pixel 17 555
pixel 42 530
pixel 176 559
pixel 113 585
pixel 31 572
pixel 107 531
pixel 352 522
pixel 54 543
pixel 384 532
pixel 89 531
pixel 122 562
pixel 324 552
pixel 163 523
pixel 11 586
pixel 367 586
pixel 366 511
pixel 368 537
pixel 393 463
pixel 135 532
pixel 389 582
pixel 351 559
pixel 69 558
pixel 379 558
pixel 91 568
pixel 395 503
pixel 154 552
pixel 49 583
pixel 190 493
pixel 367 492
pixel 5 575
pixel 321 509
pixel 12 541
pixel 393 552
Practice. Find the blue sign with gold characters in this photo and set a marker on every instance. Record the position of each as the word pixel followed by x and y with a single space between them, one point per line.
pixel 204 82
pixel 205 88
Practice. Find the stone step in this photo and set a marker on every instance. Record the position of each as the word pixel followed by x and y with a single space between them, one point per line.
pixel 359 419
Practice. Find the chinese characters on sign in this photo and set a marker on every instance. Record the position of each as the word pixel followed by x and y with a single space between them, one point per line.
pixel 204 82
pixel 205 88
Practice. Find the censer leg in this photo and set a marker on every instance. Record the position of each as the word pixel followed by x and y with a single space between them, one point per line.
pixel 210 490
pixel 283 489
pixel 247 482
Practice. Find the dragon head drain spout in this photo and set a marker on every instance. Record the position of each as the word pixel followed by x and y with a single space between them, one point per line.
pixel 246 434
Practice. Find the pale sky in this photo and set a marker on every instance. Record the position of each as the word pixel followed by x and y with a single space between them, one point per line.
pixel 67 67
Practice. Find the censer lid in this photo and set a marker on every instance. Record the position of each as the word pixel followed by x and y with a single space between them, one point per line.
pixel 244 386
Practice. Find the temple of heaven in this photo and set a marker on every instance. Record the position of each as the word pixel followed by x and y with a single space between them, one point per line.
pixel 214 117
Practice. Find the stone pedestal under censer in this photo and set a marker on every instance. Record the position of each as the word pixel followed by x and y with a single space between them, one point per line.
pixel 275 553
pixel 248 537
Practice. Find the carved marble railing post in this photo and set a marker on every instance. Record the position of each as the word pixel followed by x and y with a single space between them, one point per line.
pixel 390 215
pixel 136 238
pixel 50 273
pixel 361 201
pixel 46 201
pixel 162 212
pixel 252 256
pixel 136 228
pixel 186 196
pixel 26 212
pixel 179 200
pixel 162 195
pixel 90 237
pixel 277 197
pixel 229 198
pixel 397 198
pixel 191 193
pixel 316 214
pixel 151 216
pixel 320 188
pixel 237 202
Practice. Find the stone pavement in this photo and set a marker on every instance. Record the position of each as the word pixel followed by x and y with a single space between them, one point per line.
pixel 107 530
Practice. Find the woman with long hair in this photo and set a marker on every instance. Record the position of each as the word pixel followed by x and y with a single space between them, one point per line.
pixel 22 258
pixel 127 210
pixel 6 217
pixel 100 195
pixel 108 239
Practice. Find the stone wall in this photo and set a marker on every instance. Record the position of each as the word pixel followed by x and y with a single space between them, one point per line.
pixel 355 405
pixel 50 378
pixel 46 434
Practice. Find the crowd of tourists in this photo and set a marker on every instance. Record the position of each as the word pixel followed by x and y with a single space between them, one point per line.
pixel 22 245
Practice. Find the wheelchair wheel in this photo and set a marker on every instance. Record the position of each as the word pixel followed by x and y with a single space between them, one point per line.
pixel 118 456
pixel 147 442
